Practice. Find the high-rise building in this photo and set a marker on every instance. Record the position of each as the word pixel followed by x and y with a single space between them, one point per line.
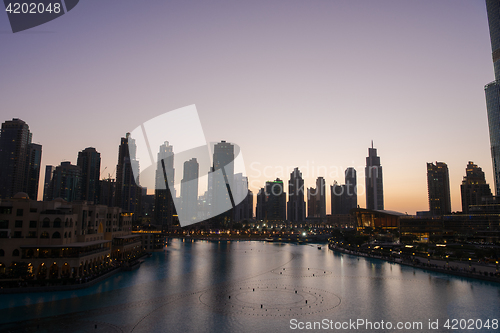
pixel 244 209
pixel 474 187
pixel 127 193
pixel 260 209
pixel 373 181
pixel 107 189
pixel 164 208
pixel 19 160
pixel 438 187
pixel 165 154
pixel 49 170
pixel 221 189
pixel 344 197
pixel 316 200
pixel 189 190
pixel 492 90
pixel 33 166
pixel 296 205
pixel 89 160
pixel 275 201
pixel 66 182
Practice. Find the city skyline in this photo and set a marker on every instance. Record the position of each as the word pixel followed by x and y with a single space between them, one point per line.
pixel 313 62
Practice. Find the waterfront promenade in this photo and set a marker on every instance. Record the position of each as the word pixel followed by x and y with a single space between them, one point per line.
pixel 476 270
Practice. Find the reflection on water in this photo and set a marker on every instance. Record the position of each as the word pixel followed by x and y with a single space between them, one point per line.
pixel 201 286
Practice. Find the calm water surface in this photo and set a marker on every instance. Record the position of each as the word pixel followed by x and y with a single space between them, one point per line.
pixel 201 286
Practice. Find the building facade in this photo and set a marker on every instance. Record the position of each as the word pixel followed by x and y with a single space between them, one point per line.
pixel 344 198
pixel 127 192
pixel 474 189
pixel 275 206
pixel 438 188
pixel 89 161
pixel 66 182
pixel 58 239
pixel 373 181
pixel 20 160
pixel 492 89
pixel 189 190
pixel 316 200
pixel 296 208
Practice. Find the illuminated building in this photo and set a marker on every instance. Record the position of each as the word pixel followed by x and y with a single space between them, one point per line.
pixel 474 187
pixel 438 188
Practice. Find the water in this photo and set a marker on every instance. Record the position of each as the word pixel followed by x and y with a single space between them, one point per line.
pixel 201 286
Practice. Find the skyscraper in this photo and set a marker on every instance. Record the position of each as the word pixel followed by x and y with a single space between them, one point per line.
pixel 344 197
pixel 89 160
pixel 373 181
pixel 66 182
pixel 492 89
pixel 438 187
pixel 49 169
pixel 316 200
pixel 19 160
pixel 243 210
pixel 32 173
pixel 474 187
pixel 222 163
pixel 260 209
pixel 189 190
pixel 296 205
pixel 128 193
pixel 275 201
pixel 164 208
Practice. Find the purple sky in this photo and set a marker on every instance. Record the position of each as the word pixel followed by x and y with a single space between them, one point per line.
pixel 293 83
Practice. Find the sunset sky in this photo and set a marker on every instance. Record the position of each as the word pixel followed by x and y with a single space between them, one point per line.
pixel 293 83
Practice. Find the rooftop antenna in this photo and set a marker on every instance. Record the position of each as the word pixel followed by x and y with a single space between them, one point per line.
pixel 372 144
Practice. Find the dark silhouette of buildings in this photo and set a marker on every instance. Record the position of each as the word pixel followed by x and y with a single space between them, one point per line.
pixel 296 204
pixel 107 192
pixel 492 89
pixel 260 209
pixel 127 193
pixel 66 182
pixel 164 209
pixel 373 181
pixel 49 170
pixel 244 209
pixel 438 187
pixel 344 197
pixel 222 177
pixel 316 200
pixel 20 160
pixel 89 160
pixel 275 206
pixel 474 187
pixel 189 190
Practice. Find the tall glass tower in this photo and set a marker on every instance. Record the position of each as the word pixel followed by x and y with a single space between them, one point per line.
pixel 492 90
pixel 373 181
pixel 20 160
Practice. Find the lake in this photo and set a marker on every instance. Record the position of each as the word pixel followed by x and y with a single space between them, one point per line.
pixel 254 286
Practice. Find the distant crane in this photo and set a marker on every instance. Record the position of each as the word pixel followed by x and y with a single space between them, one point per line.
pixel 102 172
